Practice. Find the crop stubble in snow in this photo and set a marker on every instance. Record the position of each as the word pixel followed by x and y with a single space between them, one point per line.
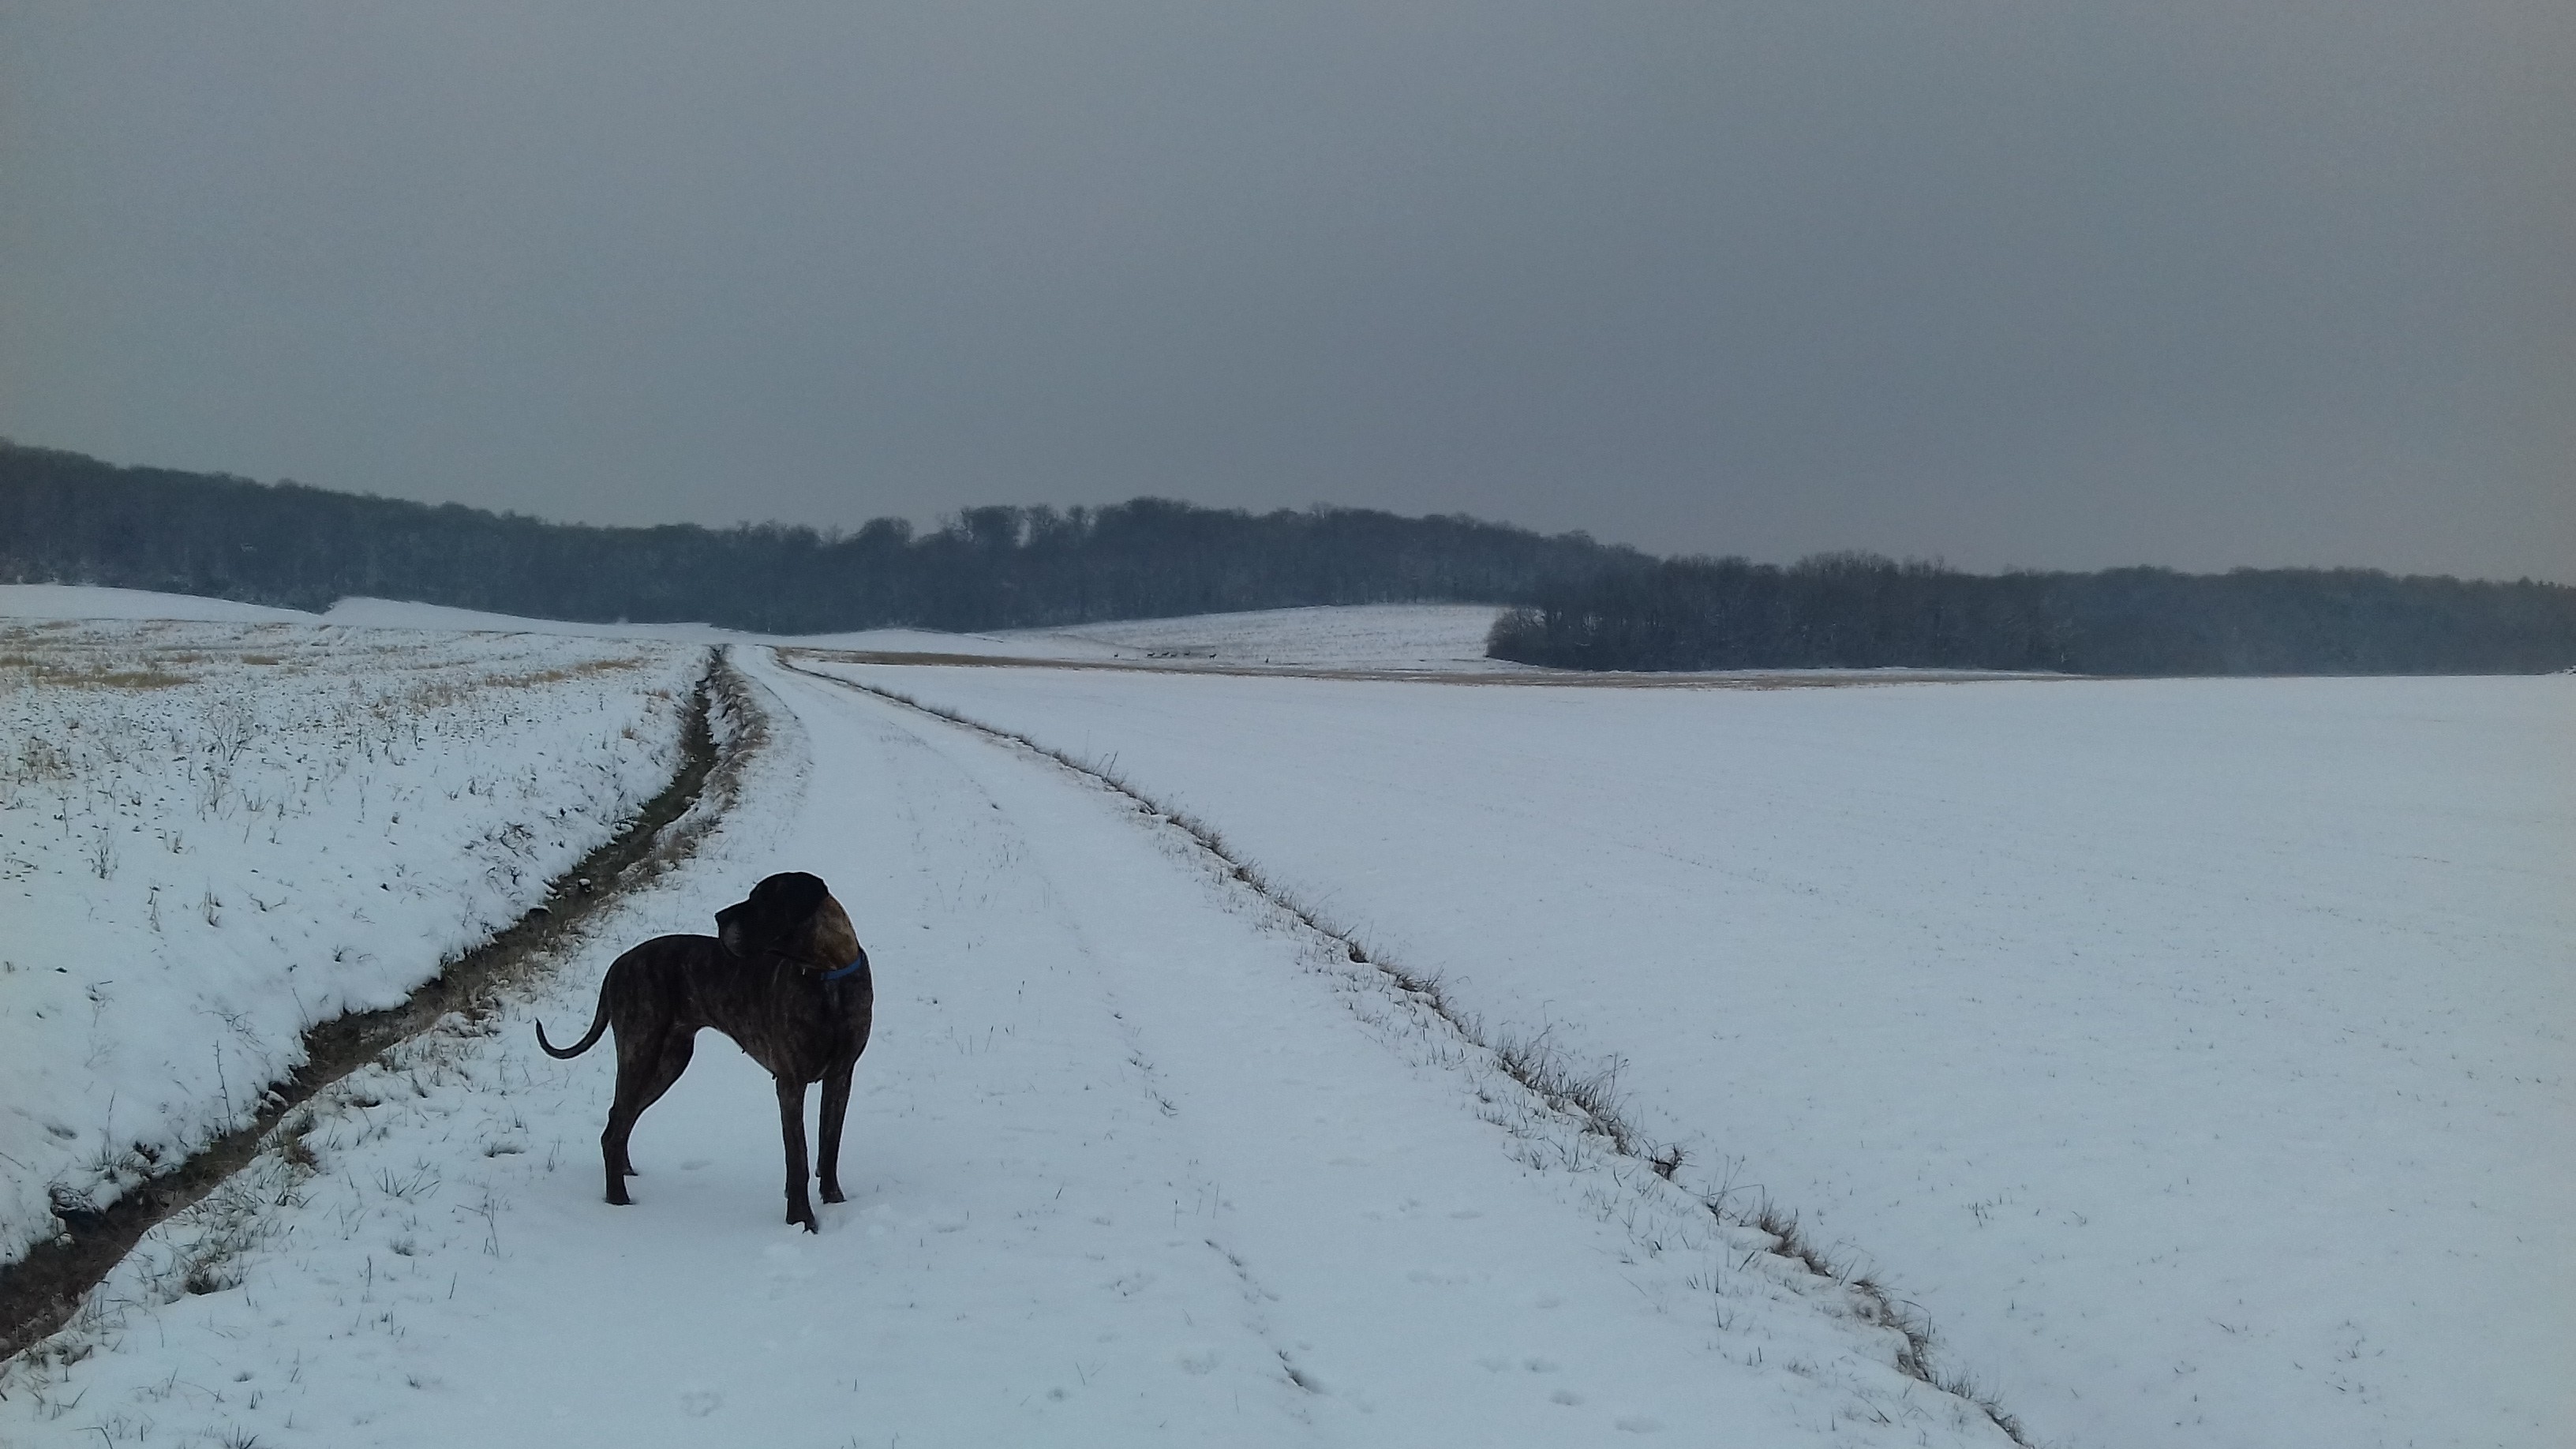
pixel 127 740
pixel 42 1290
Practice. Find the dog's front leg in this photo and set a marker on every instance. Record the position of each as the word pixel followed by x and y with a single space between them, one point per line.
pixel 791 1125
pixel 836 1105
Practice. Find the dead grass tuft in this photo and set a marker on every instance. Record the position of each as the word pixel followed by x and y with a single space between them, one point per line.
pixel 147 678
pixel 1592 1095
pixel 66 674
pixel 591 669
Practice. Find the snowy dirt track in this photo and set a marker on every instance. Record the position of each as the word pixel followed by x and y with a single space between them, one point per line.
pixel 1133 1157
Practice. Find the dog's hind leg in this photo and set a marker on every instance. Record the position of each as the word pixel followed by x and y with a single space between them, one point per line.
pixel 612 1145
pixel 791 1126
pixel 836 1105
pixel 647 1065
pixel 678 1046
pixel 641 1081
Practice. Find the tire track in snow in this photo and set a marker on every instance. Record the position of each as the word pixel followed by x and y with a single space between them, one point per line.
pixel 1197 1194
pixel 1202 1194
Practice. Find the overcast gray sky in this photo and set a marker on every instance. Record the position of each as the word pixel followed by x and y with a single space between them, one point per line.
pixel 2193 282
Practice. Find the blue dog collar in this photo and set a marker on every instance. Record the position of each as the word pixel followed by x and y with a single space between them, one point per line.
pixel 853 969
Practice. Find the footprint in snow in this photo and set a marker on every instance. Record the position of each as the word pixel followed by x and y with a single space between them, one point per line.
pixel 698 1403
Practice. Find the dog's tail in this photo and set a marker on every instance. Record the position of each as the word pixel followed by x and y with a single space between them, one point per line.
pixel 598 1024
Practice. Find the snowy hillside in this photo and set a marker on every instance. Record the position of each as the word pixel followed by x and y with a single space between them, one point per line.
pixel 215 835
pixel 1414 637
pixel 1443 638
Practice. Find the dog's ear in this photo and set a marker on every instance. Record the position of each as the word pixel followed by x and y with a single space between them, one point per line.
pixel 729 930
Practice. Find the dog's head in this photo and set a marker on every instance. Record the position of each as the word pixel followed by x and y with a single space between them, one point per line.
pixel 791 915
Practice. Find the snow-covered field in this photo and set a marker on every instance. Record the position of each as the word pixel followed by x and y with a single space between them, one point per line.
pixel 214 835
pixel 1436 638
pixel 1429 638
pixel 2196 1052
pixel 1134 1156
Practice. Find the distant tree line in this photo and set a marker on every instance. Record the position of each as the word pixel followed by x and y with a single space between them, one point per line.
pixel 1578 604
pixel 1849 610
pixel 65 518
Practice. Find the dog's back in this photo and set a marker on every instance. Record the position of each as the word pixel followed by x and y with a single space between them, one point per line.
pixel 646 987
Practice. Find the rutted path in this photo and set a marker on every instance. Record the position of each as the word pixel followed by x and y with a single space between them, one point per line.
pixel 1133 1156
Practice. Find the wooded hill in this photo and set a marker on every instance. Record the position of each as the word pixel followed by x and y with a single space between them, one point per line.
pixel 1858 611
pixel 65 518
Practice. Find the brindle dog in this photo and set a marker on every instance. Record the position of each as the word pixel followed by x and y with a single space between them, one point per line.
pixel 784 977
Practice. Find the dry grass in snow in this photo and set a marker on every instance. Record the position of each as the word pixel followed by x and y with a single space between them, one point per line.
pixel 216 835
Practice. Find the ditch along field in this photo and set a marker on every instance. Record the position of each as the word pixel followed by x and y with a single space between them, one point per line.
pixel 2195 1053
pixel 215 835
